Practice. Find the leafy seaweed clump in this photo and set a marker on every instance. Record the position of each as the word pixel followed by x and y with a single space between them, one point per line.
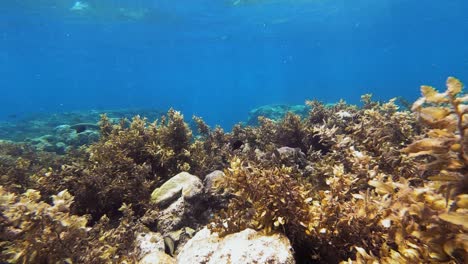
pixel 264 199
pixel 210 150
pixel 124 165
pixel 18 161
pixel 365 197
pixel 428 223
pixel 446 115
pixel 130 160
pixel 36 232
pixel 33 231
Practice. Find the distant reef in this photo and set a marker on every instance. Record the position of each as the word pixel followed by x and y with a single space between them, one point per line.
pixel 275 112
pixel 322 184
pixel 55 132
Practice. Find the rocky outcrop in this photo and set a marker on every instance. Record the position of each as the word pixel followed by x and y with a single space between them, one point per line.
pixel 178 201
pixel 183 185
pixel 185 202
pixel 64 136
pixel 291 157
pixel 248 246
pixel 217 198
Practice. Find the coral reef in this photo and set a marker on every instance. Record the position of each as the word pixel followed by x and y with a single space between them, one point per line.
pixel 63 127
pixel 275 112
pixel 342 183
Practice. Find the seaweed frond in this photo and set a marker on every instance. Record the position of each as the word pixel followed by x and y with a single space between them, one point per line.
pixel 446 143
pixel 36 232
pixel 33 231
pixel 264 199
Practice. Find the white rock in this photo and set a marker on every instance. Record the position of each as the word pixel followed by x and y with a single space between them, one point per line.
pixel 149 242
pixel 157 257
pixel 244 247
pixel 183 184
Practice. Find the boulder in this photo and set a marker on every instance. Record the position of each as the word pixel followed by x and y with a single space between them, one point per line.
pixel 290 157
pixel 217 198
pixel 248 246
pixel 210 182
pixel 84 138
pixel 173 217
pixel 180 202
pixel 62 131
pixel 183 185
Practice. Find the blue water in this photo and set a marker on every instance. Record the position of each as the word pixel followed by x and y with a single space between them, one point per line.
pixel 219 58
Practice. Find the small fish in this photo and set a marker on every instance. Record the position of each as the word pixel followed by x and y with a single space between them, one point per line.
pixel 169 245
pixel 81 127
pixel 237 144
pixel 79 6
